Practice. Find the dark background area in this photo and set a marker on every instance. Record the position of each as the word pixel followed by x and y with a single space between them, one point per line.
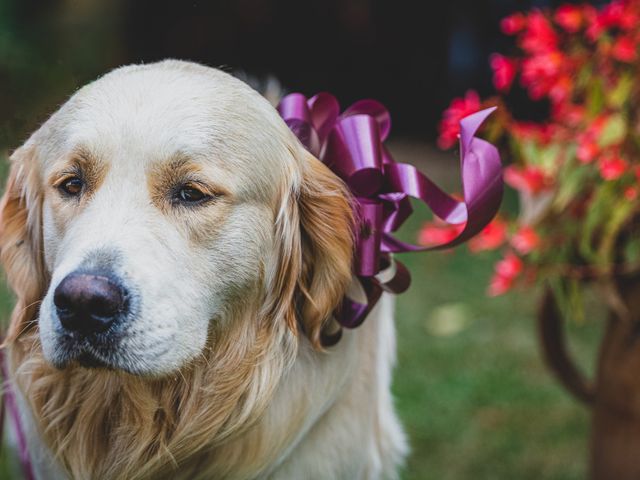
pixel 414 56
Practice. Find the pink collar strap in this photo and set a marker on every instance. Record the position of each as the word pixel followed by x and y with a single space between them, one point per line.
pixel 11 410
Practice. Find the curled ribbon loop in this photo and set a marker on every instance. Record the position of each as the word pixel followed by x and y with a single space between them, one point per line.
pixel 351 144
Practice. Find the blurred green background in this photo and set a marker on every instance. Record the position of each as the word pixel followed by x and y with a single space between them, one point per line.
pixel 471 387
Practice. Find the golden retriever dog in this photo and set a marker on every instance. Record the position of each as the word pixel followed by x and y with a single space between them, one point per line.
pixel 177 255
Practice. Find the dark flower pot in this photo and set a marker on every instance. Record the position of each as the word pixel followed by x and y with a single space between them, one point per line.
pixel 614 395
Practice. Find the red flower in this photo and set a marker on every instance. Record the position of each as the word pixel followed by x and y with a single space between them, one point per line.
pixel 490 238
pixel 568 113
pixel 504 71
pixel 437 233
pixel 538 132
pixel 513 23
pixel 546 65
pixel 506 272
pixel 619 13
pixel 449 127
pixel 510 266
pixel 597 23
pixel 569 17
pixel 525 240
pixel 540 72
pixel 539 36
pixel 582 61
pixel 528 179
pixel 587 151
pixel 612 167
pixel 629 18
pixel 588 147
pixel 499 285
pixel 560 91
pixel 625 50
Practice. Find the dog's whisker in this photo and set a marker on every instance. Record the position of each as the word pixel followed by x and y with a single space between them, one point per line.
pixel 27 325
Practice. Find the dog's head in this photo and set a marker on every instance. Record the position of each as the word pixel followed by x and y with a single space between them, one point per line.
pixel 158 204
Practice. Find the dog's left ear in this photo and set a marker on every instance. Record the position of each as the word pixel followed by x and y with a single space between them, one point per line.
pixel 315 230
pixel 20 239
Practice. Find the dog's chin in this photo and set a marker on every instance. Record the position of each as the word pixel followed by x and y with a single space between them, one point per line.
pixel 70 358
pixel 103 352
pixel 84 360
pixel 88 360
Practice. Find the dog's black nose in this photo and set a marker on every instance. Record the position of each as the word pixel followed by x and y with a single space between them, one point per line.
pixel 89 302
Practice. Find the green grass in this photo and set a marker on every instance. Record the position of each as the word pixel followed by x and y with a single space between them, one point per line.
pixel 479 403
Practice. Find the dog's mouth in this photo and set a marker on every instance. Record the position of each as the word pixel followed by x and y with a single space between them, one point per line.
pixel 85 352
pixel 93 353
pixel 89 360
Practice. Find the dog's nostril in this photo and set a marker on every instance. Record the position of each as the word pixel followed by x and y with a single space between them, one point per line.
pixel 88 303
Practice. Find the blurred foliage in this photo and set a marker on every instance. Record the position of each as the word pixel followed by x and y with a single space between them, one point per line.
pixel 576 171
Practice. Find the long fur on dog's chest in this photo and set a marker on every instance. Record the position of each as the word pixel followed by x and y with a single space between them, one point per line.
pixel 331 416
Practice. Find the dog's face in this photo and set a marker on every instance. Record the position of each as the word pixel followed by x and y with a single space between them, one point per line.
pixel 157 203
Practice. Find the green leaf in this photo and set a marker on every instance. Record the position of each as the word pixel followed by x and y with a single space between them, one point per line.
pixel 530 152
pixel 621 93
pixel 584 78
pixel 613 132
pixel 597 214
pixel 575 302
pixel 632 250
pixel 575 178
pixel 619 214
pixel 548 158
pixel 595 97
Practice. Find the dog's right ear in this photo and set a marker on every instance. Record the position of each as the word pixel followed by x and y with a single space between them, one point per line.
pixel 314 228
pixel 21 239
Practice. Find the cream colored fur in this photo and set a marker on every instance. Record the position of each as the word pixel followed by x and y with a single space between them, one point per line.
pixel 221 373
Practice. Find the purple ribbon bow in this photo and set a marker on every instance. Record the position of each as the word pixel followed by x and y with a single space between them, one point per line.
pixel 351 144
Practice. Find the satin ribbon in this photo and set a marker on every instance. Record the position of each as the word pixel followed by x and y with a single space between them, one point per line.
pixel 351 144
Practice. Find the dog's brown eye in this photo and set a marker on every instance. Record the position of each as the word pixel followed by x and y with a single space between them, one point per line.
pixel 72 186
pixel 190 194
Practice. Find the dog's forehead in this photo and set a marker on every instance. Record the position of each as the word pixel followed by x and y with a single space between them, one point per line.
pixel 149 114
